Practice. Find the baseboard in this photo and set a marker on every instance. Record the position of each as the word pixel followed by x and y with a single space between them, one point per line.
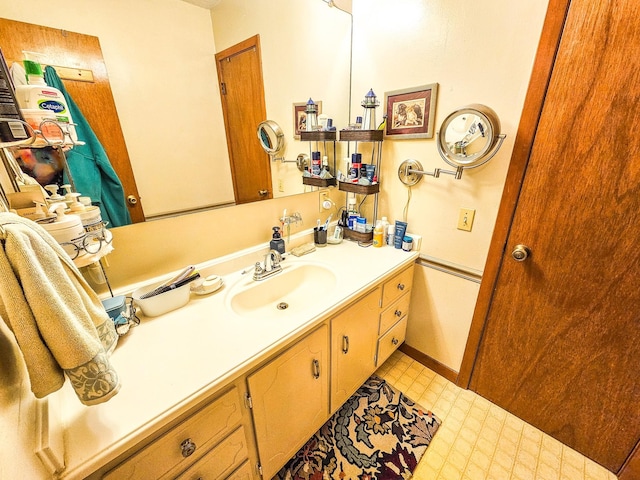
pixel 430 363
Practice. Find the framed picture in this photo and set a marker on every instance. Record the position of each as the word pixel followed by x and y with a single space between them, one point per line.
pixel 411 112
pixel 300 117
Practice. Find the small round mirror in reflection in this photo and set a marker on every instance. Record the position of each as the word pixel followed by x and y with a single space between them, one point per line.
pixel 271 138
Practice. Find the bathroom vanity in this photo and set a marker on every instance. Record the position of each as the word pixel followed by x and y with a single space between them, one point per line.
pixel 230 386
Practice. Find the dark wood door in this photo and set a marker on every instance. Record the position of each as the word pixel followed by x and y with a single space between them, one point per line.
pixel 243 106
pixel 94 98
pixel 561 341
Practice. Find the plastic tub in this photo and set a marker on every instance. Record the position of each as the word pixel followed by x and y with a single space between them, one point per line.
pixel 163 302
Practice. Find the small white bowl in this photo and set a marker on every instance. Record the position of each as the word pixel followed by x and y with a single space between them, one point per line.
pixel 163 302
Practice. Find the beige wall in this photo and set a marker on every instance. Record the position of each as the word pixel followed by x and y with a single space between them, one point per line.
pixel 160 60
pixel 478 52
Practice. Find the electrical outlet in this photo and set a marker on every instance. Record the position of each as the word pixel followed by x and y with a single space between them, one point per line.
pixel 280 185
pixel 465 219
pixel 324 197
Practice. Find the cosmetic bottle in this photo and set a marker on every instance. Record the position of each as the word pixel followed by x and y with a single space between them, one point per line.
pixel 277 242
pixel 378 234
pixel 385 230
pixel 38 95
pixel 352 213
pixel 390 230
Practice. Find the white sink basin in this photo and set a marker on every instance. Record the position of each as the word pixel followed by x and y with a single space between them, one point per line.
pixel 296 289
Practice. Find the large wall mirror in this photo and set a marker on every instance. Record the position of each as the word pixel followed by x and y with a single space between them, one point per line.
pixel 159 58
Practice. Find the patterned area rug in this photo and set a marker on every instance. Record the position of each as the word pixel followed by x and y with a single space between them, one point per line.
pixel 378 434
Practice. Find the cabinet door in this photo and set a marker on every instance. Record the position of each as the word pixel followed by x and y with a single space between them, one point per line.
pixel 354 333
pixel 290 398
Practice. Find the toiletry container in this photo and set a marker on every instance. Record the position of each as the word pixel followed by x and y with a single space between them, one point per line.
pixel 378 234
pixel 38 95
pixel 385 230
pixel 407 243
pixel 65 229
pixel 390 230
pixel 352 213
pixel 277 242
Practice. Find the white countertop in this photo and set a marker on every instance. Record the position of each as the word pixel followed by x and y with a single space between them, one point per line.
pixel 169 363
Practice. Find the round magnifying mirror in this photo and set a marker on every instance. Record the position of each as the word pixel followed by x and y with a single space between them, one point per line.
pixel 470 136
pixel 271 138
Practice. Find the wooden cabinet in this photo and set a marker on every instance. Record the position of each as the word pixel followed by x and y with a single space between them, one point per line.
pixel 392 327
pixel 212 441
pixel 366 333
pixel 290 399
pixel 354 333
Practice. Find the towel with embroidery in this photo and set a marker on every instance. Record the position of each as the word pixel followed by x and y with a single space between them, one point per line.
pixel 59 322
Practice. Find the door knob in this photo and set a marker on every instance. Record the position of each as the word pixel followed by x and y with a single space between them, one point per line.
pixel 132 200
pixel 520 253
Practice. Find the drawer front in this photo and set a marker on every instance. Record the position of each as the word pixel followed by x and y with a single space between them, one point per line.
pixel 201 431
pixel 395 312
pixel 395 287
pixel 221 460
pixel 390 341
pixel 244 472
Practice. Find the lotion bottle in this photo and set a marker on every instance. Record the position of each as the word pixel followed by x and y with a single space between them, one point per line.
pixel 277 242
pixel 37 95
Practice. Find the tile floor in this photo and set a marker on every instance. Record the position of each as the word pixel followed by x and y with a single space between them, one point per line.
pixel 479 440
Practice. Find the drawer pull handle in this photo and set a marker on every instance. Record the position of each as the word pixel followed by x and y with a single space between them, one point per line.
pixel 187 447
pixel 398 313
pixel 345 344
pixel 401 286
pixel 316 369
pixel 395 341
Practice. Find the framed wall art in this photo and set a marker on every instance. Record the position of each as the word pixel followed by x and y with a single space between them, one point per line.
pixel 300 117
pixel 411 112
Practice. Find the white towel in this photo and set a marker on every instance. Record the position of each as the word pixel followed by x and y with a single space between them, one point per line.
pixel 59 322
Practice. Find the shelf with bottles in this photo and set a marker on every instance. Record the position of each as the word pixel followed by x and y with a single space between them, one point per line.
pixel 322 152
pixel 355 135
pixel 358 188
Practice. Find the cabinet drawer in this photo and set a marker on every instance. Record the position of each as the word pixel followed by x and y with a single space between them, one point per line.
pixel 202 429
pixel 395 312
pixel 396 286
pixel 221 460
pixel 391 340
pixel 242 473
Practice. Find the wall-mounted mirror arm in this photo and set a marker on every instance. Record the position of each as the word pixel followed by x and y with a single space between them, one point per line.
pixel 411 172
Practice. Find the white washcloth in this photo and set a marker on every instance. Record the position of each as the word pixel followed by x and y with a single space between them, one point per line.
pixel 59 322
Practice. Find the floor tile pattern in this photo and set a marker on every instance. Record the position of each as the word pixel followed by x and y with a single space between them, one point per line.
pixel 479 440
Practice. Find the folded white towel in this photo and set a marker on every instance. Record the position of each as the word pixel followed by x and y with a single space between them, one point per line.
pixel 59 322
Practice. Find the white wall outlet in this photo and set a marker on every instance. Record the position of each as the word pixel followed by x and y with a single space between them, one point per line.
pixel 325 201
pixel 465 219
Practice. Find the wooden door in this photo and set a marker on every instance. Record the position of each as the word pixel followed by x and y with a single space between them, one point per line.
pixel 290 397
pixel 354 337
pixel 561 341
pixel 94 98
pixel 243 106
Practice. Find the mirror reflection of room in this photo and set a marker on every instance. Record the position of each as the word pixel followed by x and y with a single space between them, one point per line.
pixel 155 89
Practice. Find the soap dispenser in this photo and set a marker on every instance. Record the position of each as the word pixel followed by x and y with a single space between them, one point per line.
pixel 277 242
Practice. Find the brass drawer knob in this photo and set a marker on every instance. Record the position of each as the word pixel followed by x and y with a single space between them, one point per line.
pixel 401 286
pixel 398 313
pixel 187 447
pixel 395 341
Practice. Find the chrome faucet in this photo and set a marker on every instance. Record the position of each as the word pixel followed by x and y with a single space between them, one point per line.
pixel 271 265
